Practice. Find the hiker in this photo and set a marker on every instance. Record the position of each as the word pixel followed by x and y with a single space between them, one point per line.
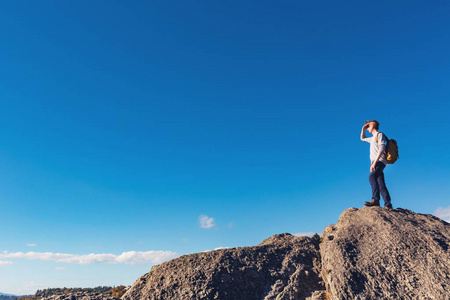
pixel 378 163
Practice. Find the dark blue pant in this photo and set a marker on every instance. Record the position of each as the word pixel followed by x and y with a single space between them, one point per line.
pixel 376 179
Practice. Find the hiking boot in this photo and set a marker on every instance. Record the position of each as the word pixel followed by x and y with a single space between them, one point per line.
pixel 372 203
pixel 389 206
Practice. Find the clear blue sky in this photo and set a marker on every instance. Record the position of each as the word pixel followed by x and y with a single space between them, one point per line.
pixel 123 123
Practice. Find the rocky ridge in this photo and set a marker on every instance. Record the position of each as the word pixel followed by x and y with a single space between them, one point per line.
pixel 281 267
pixel 80 296
pixel 371 253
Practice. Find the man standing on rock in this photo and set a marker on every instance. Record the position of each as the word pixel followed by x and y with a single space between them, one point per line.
pixel 378 163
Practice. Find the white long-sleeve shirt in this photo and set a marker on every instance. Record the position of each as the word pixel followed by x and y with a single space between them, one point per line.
pixel 375 147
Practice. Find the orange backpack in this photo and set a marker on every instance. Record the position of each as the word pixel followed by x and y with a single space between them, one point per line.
pixel 391 150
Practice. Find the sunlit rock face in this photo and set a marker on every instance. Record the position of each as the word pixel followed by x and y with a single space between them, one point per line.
pixel 374 253
pixel 281 267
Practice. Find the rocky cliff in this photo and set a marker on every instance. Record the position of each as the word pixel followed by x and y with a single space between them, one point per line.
pixel 371 253
pixel 374 253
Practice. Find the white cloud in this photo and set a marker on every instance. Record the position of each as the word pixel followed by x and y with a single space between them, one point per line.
pixel 130 257
pixel 31 245
pixel 206 222
pixel 443 213
pixel 310 234
pixel 4 263
pixel 60 268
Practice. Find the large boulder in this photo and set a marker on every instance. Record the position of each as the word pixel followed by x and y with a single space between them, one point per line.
pixel 281 267
pixel 374 253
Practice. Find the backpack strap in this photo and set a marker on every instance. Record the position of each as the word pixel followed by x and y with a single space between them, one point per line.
pixel 387 140
pixel 376 137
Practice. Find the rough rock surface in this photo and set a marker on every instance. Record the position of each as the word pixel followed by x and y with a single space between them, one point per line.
pixel 281 267
pixel 80 296
pixel 371 253
pixel 374 253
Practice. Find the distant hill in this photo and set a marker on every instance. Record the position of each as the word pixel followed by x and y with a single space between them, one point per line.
pixel 7 297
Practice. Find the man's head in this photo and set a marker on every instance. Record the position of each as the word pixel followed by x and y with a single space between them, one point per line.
pixel 372 125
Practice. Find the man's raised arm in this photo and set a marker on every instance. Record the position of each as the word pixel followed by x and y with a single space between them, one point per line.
pixel 363 132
